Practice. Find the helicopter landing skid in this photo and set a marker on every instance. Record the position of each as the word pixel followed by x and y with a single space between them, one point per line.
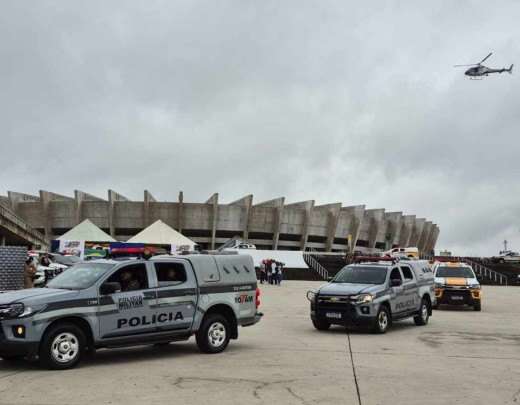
pixel 475 78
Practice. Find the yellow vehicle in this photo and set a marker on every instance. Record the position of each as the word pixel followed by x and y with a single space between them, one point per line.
pixel 456 284
pixel 410 252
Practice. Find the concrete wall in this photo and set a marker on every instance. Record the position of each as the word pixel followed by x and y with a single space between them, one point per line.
pixel 271 224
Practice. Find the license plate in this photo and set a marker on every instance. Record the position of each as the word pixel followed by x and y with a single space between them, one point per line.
pixel 457 298
pixel 335 315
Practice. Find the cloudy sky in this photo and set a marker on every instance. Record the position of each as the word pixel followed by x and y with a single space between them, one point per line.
pixel 337 101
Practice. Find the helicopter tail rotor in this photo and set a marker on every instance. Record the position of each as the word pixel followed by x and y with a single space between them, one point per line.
pixel 510 70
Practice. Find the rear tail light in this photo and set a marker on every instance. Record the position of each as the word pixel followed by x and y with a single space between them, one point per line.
pixel 257 298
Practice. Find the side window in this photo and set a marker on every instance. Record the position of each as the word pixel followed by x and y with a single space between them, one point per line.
pixel 396 275
pixel 169 274
pixel 407 273
pixel 131 278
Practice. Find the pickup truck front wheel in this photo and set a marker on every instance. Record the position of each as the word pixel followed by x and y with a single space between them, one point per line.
pixel 214 334
pixel 62 346
pixel 382 321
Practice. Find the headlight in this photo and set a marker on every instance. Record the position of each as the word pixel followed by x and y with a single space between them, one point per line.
pixel 362 298
pixel 12 311
pixel 475 286
pixel 439 285
pixel 311 295
pixel 17 310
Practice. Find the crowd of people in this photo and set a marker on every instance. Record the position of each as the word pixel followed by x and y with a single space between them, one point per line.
pixel 271 272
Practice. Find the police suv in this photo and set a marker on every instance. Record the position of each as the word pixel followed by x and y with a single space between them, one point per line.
pixel 374 292
pixel 106 303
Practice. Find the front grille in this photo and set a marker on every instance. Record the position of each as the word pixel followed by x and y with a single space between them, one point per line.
pixel 452 294
pixel 336 303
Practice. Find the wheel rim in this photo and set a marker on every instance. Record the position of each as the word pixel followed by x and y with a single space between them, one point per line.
pixel 65 347
pixel 383 320
pixel 217 334
pixel 424 312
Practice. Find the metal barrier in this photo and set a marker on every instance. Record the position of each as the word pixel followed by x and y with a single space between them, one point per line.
pixel 486 272
pixel 316 266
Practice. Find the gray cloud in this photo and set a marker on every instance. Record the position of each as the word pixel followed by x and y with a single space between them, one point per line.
pixel 334 101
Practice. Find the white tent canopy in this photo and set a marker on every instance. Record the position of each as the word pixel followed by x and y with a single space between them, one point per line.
pixel 160 233
pixel 86 231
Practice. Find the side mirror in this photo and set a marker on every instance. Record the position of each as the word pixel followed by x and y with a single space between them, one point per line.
pixel 330 278
pixel 396 282
pixel 109 288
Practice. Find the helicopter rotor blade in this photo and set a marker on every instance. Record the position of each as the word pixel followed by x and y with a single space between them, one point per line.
pixel 473 64
pixel 482 61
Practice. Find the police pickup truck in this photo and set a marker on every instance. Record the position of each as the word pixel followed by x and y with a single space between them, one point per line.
pixel 374 292
pixel 104 304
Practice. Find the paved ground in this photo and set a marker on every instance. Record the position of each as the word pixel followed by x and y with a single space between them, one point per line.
pixel 461 357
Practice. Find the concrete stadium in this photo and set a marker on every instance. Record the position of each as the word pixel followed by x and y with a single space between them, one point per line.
pixel 271 224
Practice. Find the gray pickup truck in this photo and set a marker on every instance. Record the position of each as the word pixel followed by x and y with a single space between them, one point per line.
pixel 373 293
pixel 106 303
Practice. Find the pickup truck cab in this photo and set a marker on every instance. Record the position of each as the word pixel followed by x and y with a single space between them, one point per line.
pixel 106 303
pixel 375 292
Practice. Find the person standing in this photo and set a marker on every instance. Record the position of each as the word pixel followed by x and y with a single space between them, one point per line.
pixel 280 273
pixel 29 273
pixel 262 272
pixel 273 272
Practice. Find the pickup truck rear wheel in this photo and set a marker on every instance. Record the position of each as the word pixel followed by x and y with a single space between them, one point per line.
pixel 477 307
pixel 423 315
pixel 62 346
pixel 214 334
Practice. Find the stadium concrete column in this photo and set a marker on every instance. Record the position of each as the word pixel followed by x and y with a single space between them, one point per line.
pixel 45 200
pixel 432 240
pixel 79 198
pixel 112 198
pixel 375 217
pixel 180 212
pixel 421 245
pixel 148 198
pixel 213 200
pixel 408 223
pixel 16 198
pixel 277 204
pixel 309 205
pixel 393 228
pixel 349 225
pixel 416 231
pixel 245 202
pixel 332 224
pixel 2 241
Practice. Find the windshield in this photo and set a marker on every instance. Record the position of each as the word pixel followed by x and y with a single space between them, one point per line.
pixel 80 276
pixel 465 272
pixel 361 275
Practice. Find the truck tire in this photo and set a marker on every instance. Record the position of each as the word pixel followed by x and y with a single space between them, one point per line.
pixel 62 346
pixel 382 321
pixel 477 307
pixel 423 315
pixel 214 334
pixel 321 325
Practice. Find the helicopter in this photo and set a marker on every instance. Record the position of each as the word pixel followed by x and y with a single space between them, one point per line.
pixel 478 70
